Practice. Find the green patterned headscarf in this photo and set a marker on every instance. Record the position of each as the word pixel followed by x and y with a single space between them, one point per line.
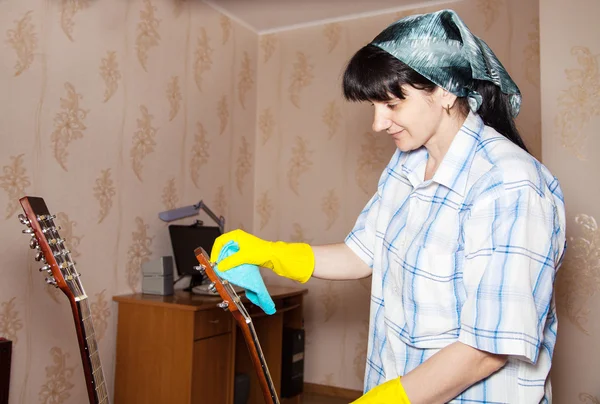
pixel 440 47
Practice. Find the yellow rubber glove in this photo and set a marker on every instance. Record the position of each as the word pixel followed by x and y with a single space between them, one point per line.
pixel 390 392
pixel 291 260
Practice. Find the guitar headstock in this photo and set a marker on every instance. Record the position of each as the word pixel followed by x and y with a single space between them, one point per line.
pixel 51 249
pixel 231 300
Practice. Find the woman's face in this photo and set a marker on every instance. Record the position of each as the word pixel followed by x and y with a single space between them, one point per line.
pixel 413 121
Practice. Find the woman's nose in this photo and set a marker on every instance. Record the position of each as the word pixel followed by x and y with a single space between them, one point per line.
pixel 380 120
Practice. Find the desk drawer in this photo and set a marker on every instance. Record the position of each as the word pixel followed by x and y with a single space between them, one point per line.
pixel 211 322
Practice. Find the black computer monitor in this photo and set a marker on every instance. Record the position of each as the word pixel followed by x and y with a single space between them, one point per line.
pixel 184 239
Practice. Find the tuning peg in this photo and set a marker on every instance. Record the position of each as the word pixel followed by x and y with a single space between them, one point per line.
pixel 28 231
pixel 212 287
pixel 200 268
pixel 23 219
pixel 51 281
pixel 33 243
pixel 40 256
pixel 224 305
pixel 64 253
pixel 45 268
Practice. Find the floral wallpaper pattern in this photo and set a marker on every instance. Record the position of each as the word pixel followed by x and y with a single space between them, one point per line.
pixel 104 192
pixel 200 154
pixel 106 122
pixel 302 77
pixel 203 58
pixel 109 70
pixel 23 40
pixel 100 314
pixel 174 97
pixel 246 79
pixel 14 182
pixel 268 44
pixel 58 386
pixel 143 141
pixel 570 83
pixel 10 322
pixel 68 125
pixel 300 163
pixel 148 36
pixel 580 103
pixel 579 279
pixel 69 9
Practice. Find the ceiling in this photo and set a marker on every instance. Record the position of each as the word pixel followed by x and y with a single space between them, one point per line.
pixel 263 16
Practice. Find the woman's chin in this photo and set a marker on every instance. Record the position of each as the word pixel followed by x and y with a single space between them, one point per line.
pixel 403 145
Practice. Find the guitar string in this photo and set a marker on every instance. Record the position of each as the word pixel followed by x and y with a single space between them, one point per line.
pixel 248 320
pixel 260 354
pixel 72 277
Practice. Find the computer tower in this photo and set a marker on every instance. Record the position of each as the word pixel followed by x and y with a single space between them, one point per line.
pixel 5 356
pixel 292 366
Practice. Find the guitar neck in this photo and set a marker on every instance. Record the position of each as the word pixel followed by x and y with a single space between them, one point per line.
pixel 61 272
pixel 88 346
pixel 233 303
pixel 260 365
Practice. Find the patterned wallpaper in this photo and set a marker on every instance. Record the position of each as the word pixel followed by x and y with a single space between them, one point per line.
pixel 571 121
pixel 113 111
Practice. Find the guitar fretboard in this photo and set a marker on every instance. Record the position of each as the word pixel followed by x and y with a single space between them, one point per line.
pixel 91 347
pixel 263 363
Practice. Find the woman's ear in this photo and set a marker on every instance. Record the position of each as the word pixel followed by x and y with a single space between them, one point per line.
pixel 446 98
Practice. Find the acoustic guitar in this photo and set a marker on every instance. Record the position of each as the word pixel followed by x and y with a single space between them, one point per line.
pixel 233 303
pixel 61 273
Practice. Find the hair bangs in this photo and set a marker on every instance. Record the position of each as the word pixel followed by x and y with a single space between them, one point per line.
pixel 366 79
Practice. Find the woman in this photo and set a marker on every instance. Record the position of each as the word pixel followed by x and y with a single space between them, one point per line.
pixel 463 236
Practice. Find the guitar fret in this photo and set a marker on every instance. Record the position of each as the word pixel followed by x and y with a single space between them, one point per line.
pixel 95 362
pixel 92 351
pixel 101 391
pixel 95 371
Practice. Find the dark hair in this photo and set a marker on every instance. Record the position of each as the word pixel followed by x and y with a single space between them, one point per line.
pixel 373 74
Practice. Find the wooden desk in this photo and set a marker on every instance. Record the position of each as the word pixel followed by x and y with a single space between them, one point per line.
pixel 182 349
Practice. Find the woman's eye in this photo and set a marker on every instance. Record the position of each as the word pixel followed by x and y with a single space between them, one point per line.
pixel 392 106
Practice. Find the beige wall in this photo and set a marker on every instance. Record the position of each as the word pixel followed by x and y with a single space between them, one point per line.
pixel 318 161
pixel 112 111
pixel 253 125
pixel 570 53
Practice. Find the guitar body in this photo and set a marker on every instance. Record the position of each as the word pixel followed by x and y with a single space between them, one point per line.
pixel 61 272
pixel 233 303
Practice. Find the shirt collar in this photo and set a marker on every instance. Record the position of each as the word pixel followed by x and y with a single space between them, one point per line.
pixel 453 171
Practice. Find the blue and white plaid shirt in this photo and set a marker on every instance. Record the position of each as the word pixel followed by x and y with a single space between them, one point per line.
pixel 470 256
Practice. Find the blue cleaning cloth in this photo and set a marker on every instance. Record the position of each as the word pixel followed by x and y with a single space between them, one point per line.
pixel 246 276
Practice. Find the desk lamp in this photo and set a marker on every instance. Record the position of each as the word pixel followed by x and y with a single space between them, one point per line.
pixel 184 238
pixel 191 210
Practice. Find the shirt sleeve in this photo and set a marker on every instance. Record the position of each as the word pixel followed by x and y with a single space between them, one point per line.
pixel 512 250
pixel 361 239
